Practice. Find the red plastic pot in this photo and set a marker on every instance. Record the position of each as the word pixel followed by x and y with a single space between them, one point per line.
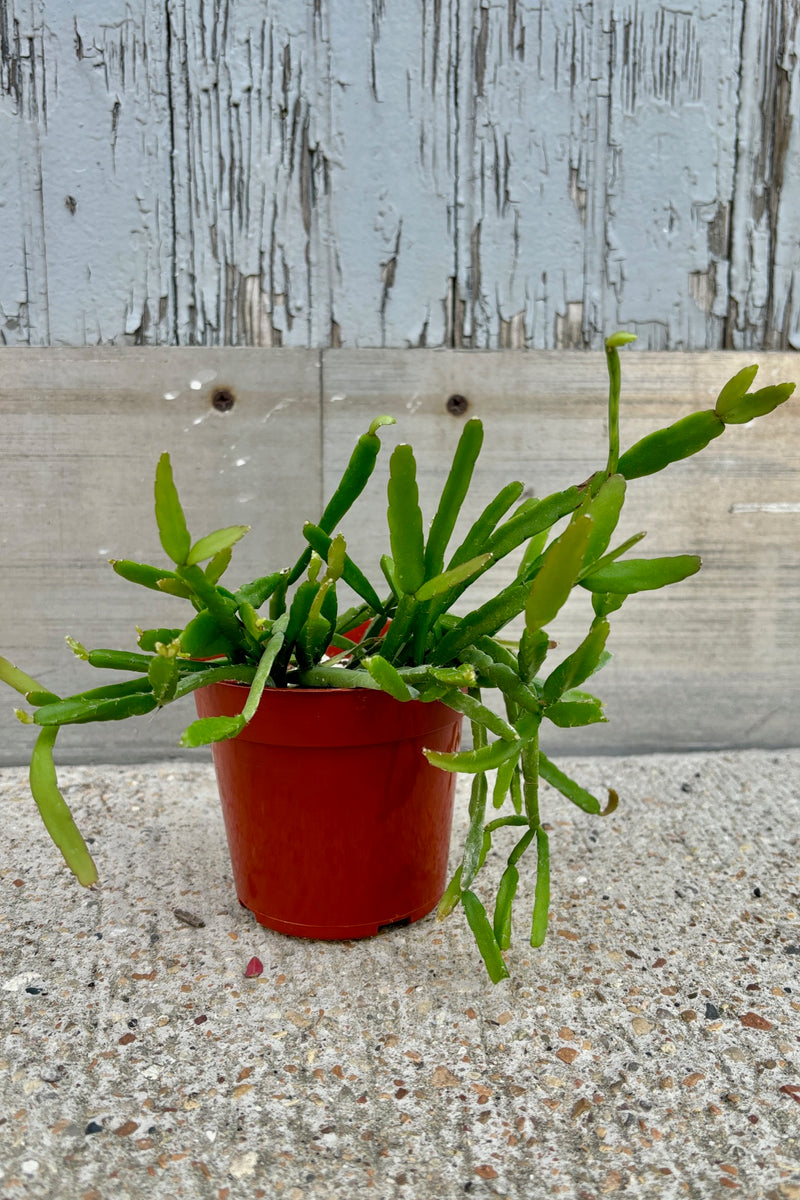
pixel 337 824
pixel 354 635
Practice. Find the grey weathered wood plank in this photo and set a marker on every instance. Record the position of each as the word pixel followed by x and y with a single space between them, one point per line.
pixel 402 173
pixel 763 307
pixel 82 432
pixel 393 166
pixel 598 172
pixel 249 90
pixel 87 221
pixel 715 661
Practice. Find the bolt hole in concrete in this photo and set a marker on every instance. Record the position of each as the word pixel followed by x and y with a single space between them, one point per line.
pixel 457 405
pixel 222 399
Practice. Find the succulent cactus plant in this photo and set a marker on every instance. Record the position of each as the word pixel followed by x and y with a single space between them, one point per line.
pixel 285 630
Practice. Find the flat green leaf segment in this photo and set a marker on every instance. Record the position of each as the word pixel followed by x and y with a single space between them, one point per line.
pixel 484 936
pixel 171 522
pixel 734 391
pixel 483 759
pixel 578 666
pixel 736 405
pixel 216 543
pixel 558 574
pixel 453 495
pixel 162 676
pixel 20 681
pixel 757 404
pixel 388 678
pixel 681 440
pixel 405 521
pixel 55 813
pixel 604 511
pixel 321 543
pixel 441 584
pixel 642 574
pixel 425 623
pixel 206 730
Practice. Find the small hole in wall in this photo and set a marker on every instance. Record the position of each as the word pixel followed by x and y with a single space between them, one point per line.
pixel 457 405
pixel 222 399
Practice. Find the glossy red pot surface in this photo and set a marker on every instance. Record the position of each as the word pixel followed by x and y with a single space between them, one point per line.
pixel 336 822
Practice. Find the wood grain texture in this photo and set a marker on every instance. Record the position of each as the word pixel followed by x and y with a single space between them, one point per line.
pixel 394 120
pixel 601 174
pixel 82 433
pixel 87 228
pixel 249 88
pixel 765 234
pixel 714 661
pixel 400 173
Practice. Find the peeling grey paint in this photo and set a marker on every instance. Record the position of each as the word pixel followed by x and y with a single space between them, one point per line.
pixel 477 173
pixel 766 229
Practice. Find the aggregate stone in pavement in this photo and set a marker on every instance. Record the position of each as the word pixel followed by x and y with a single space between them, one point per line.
pixel 651 1048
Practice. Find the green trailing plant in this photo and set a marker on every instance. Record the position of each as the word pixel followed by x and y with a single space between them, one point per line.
pixel 417 639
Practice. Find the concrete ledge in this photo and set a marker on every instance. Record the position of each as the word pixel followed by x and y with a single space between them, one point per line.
pixel 650 1049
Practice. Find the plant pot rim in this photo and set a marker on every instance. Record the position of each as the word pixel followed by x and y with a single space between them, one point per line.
pixel 329 716
pixel 316 691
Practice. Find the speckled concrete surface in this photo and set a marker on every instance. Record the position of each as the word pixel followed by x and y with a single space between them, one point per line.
pixel 650 1049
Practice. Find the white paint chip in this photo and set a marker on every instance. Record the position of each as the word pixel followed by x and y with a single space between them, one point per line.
pixel 770 506
pixel 171 395
pixel 200 378
pixel 278 408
